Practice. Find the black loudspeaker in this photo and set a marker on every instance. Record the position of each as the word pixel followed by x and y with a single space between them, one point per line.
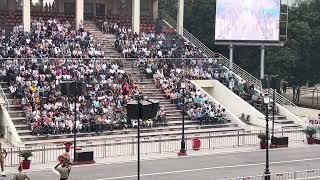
pixel 69 88
pixel 266 82
pixel 132 110
pixel 279 140
pixel 275 82
pixel 146 109
pixel 149 109
pixel 155 107
pixel 82 156
pixel 65 89
pixel 272 82
pixel 78 87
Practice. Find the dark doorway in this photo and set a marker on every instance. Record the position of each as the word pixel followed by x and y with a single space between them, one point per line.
pixel 100 10
pixel 88 11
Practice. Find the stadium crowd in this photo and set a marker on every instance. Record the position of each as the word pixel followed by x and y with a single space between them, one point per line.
pixel 37 82
pixel 48 39
pixel 184 62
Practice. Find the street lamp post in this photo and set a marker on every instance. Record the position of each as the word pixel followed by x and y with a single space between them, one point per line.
pixel 266 100
pixel 273 110
pixel 75 123
pixel 139 98
pixel 183 151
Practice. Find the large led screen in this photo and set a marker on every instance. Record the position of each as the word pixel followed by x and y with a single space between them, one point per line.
pixel 247 20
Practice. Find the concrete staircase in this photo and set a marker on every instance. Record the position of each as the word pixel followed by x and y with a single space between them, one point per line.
pixel 282 121
pixel 16 112
pixel 106 40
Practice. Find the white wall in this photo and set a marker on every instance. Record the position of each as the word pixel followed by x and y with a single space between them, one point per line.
pixel 206 87
pixel 9 130
pixel 290 116
pixel 233 102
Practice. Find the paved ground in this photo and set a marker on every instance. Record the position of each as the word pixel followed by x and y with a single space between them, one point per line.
pixel 216 166
pixel 307 99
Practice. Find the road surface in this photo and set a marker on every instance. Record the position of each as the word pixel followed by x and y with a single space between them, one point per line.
pixel 217 166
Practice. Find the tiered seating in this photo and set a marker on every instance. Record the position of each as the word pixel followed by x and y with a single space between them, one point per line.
pixel 48 38
pixel 146 25
pixel 170 111
pixel 50 15
pixel 10 19
pixel 168 73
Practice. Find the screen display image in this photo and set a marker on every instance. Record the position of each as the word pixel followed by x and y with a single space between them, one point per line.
pixel 247 20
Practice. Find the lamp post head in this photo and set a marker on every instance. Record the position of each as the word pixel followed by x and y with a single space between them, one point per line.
pixel 266 99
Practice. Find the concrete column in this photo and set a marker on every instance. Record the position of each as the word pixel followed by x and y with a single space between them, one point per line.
pixel 26 15
pixel 79 12
pixel 155 9
pixel 136 16
pixel 60 6
pixel 115 7
pixel 12 5
pixel 180 17
pixel 262 62
pixel 231 48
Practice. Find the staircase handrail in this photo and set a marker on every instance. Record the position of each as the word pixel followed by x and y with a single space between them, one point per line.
pixel 4 97
pixel 226 62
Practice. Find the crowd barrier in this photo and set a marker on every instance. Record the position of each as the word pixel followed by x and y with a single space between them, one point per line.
pixel 154 144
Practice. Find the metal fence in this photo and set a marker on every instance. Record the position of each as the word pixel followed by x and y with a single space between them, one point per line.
pixel 157 144
pixel 297 175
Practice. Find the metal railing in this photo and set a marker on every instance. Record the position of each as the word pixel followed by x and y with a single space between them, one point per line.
pixel 281 100
pixel 297 175
pixel 3 95
pixel 150 145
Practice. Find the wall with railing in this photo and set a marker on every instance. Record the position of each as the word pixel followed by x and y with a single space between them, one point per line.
pixel 157 144
pixel 8 129
pixel 280 100
pixel 235 106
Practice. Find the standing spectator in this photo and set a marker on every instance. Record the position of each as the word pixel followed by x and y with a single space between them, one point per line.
pixel 293 93
pixel 284 87
pixel 298 95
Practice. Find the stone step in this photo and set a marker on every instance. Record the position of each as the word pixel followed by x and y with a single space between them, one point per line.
pixel 164 100
pixel 164 103
pixel 279 117
pixel 148 86
pixel 283 121
pixel 16 113
pixel 24 132
pixel 18 120
pixel 290 126
pixel 12 107
pixel 22 127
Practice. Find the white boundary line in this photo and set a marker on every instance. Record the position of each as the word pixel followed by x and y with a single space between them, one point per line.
pixel 208 168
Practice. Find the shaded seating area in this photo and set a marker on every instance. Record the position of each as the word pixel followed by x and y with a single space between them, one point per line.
pixel 146 25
